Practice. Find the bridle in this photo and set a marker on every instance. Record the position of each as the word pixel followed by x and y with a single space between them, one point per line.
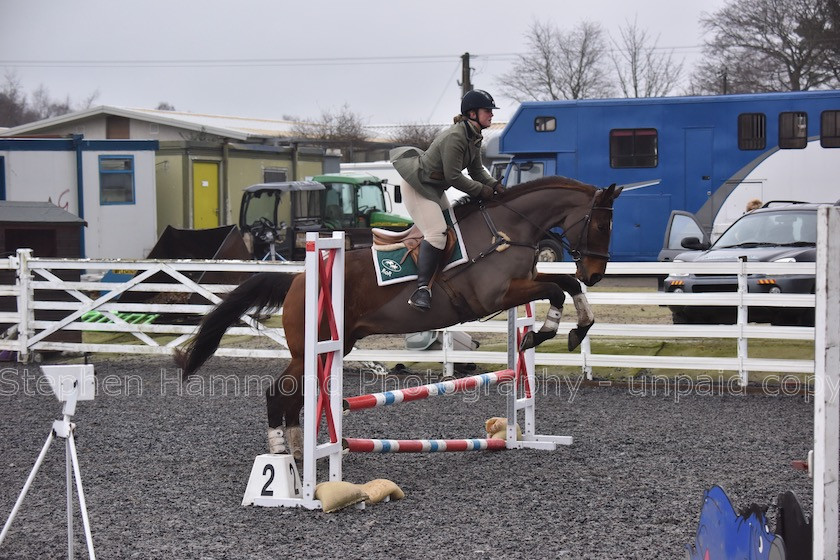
pixel 581 249
pixel 578 251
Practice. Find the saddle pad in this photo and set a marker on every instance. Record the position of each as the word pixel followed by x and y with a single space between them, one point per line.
pixel 395 265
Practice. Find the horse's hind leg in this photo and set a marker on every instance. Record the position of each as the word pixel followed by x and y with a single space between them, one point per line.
pixel 284 399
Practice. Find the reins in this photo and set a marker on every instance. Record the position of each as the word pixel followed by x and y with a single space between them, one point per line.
pixel 576 252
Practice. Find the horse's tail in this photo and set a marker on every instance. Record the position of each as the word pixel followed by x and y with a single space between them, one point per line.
pixel 263 292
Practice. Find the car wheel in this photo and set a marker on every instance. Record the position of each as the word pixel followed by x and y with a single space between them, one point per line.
pixel 549 250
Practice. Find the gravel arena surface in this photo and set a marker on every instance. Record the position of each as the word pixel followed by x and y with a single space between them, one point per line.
pixel 164 471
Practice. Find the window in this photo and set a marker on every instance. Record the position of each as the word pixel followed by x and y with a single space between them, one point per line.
pixel 830 129
pixel 524 172
pixel 116 179
pixel 752 131
pixel 793 130
pixel 634 147
pixel 274 175
pixel 545 124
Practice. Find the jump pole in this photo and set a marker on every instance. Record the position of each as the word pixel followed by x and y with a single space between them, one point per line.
pixel 519 373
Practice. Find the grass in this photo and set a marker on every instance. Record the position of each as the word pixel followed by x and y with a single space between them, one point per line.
pixel 614 314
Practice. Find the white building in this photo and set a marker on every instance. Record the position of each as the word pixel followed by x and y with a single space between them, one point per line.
pixel 110 184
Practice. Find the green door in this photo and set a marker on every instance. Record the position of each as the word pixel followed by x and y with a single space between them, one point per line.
pixel 205 194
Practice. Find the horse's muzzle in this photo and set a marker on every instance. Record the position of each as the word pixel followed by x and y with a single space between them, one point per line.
pixel 592 279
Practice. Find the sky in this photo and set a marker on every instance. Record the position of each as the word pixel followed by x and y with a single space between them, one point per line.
pixel 387 61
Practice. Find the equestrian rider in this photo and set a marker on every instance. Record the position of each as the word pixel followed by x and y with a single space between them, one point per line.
pixel 426 175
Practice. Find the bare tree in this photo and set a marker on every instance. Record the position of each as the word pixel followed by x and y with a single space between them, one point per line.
pixel 343 129
pixel 417 135
pixel 560 65
pixel 165 106
pixel 16 108
pixel 642 70
pixel 765 45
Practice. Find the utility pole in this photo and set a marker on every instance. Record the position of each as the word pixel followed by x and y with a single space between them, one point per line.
pixel 466 84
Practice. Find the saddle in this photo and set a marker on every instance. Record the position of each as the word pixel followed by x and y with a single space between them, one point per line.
pixel 387 240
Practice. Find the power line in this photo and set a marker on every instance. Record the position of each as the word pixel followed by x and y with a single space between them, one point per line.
pixel 275 62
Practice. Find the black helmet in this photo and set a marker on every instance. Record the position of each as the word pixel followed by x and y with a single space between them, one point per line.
pixel 477 99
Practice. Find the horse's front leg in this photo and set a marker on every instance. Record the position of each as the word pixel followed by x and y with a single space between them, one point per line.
pixel 521 291
pixel 585 316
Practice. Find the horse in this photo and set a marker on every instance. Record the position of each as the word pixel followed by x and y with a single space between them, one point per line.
pixel 491 281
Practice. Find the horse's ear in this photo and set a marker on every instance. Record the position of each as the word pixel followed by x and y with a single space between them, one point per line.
pixel 612 192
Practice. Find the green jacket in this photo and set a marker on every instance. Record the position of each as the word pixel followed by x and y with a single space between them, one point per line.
pixel 438 168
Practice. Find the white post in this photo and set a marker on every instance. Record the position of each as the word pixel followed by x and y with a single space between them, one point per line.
pixel 827 372
pixel 585 347
pixel 742 319
pixel 515 402
pixel 337 374
pixel 25 312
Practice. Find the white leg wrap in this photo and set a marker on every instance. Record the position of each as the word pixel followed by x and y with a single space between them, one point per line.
pixel 584 312
pixel 277 441
pixel 552 320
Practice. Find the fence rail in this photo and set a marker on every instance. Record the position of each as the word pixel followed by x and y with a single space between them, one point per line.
pixel 187 298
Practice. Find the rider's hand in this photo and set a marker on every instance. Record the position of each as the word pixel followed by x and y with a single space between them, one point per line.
pixel 486 193
pixel 498 188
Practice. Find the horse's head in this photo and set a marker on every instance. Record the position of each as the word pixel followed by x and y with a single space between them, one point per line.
pixel 589 236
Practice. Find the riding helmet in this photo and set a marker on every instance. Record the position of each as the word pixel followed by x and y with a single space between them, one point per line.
pixel 477 99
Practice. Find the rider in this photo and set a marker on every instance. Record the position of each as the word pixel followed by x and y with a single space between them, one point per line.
pixel 426 175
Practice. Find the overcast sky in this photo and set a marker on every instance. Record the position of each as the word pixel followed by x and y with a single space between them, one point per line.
pixel 389 61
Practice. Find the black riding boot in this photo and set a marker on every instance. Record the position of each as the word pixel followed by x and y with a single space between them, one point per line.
pixel 427 264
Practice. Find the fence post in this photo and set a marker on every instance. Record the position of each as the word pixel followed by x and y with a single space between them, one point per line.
pixel 743 317
pixel 585 348
pixel 24 300
pixel 827 379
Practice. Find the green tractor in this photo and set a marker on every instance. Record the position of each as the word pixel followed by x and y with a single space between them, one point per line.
pixel 275 217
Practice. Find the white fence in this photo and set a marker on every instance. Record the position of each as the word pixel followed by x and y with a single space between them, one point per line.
pixel 31 333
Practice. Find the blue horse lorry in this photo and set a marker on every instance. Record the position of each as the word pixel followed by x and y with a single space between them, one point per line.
pixel 705 156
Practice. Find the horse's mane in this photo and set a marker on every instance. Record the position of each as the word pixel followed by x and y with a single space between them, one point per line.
pixel 467 205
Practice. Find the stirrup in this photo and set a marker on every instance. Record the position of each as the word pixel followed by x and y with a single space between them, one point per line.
pixel 421 299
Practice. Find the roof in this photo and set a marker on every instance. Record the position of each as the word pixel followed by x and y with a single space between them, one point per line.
pixel 226 126
pixel 238 128
pixel 36 212
pixel 352 177
pixel 286 186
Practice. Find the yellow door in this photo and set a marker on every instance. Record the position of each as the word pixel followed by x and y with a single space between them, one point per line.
pixel 205 194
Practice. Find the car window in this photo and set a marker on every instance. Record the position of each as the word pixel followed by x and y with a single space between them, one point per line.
pixel 771 228
pixel 681 227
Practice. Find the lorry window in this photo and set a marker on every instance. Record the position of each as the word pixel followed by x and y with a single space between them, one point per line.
pixel 793 130
pixel 752 131
pixel 634 147
pixel 524 172
pixel 545 124
pixel 830 129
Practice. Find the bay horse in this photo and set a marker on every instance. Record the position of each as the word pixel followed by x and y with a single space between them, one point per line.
pixel 491 281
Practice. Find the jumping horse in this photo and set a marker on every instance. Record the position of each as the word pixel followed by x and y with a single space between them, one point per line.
pixel 492 280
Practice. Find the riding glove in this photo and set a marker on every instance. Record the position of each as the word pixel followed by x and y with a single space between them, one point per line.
pixel 486 193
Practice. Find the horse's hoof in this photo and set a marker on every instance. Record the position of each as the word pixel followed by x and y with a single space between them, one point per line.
pixel 527 341
pixel 577 334
pixel 295 435
pixel 277 441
